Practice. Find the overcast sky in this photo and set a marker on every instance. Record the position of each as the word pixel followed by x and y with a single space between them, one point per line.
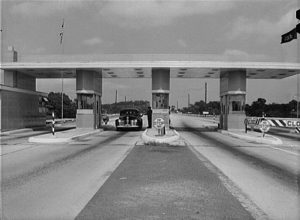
pixel 223 30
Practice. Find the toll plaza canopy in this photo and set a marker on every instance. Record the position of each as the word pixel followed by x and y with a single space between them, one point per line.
pixel 142 69
pixel 19 80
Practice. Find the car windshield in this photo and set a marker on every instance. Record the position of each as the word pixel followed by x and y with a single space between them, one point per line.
pixel 129 112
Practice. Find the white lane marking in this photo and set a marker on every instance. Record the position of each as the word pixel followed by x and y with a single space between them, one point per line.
pixel 286 151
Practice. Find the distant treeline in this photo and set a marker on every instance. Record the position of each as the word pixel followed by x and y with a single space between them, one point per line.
pixel 199 107
pixel 117 107
pixel 257 108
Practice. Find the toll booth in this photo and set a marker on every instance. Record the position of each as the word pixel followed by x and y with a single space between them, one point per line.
pixel 232 99
pixel 89 92
pixel 160 94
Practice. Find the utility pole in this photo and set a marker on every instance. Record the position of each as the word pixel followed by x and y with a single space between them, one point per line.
pixel 205 92
pixel 116 98
pixel 298 82
pixel 62 74
pixel 298 47
pixel 177 104
pixel 188 99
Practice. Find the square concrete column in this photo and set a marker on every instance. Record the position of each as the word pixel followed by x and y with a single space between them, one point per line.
pixel 160 94
pixel 89 92
pixel 232 99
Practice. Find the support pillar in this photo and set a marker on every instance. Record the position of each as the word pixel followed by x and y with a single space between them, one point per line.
pixel 232 99
pixel 160 94
pixel 89 92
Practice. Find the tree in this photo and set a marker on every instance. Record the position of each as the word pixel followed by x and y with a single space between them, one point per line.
pixel 199 107
pixel 117 107
pixel 257 107
pixel 271 110
pixel 69 106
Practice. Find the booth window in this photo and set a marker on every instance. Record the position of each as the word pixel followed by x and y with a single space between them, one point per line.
pixel 237 106
pixel 85 101
pixel 160 101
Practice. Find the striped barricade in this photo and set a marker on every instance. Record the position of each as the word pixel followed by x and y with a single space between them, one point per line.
pixel 53 124
pixel 274 122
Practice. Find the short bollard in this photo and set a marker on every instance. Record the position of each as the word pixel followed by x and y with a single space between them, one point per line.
pixel 160 126
pixel 159 131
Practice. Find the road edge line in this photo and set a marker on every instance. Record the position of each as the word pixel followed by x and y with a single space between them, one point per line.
pixel 234 189
pixel 106 177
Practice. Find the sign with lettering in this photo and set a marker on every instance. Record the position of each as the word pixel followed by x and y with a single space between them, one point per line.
pixel 289 36
pixel 251 121
pixel 292 123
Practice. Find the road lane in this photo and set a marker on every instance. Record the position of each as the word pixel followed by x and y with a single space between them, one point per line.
pixel 265 175
pixel 56 181
pixel 163 182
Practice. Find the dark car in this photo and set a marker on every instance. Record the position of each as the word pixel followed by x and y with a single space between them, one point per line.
pixel 129 119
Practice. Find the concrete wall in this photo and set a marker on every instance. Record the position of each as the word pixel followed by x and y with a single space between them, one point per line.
pixel 20 110
pixel 89 81
pixel 161 79
pixel 234 80
pixel 235 121
pixel 85 118
pixel 24 81
pixel 159 113
pixel 19 101
pixel 19 80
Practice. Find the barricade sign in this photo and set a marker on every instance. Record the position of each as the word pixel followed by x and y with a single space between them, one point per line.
pixel 251 122
pixel 292 123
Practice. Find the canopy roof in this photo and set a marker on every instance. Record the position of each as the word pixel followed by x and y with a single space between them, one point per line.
pixel 142 69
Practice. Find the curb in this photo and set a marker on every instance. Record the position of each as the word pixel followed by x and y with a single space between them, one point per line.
pixel 148 139
pixel 6 133
pixel 43 140
pixel 259 140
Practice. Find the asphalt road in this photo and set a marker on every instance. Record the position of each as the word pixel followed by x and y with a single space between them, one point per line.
pixel 264 177
pixel 112 175
pixel 56 181
pixel 163 182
